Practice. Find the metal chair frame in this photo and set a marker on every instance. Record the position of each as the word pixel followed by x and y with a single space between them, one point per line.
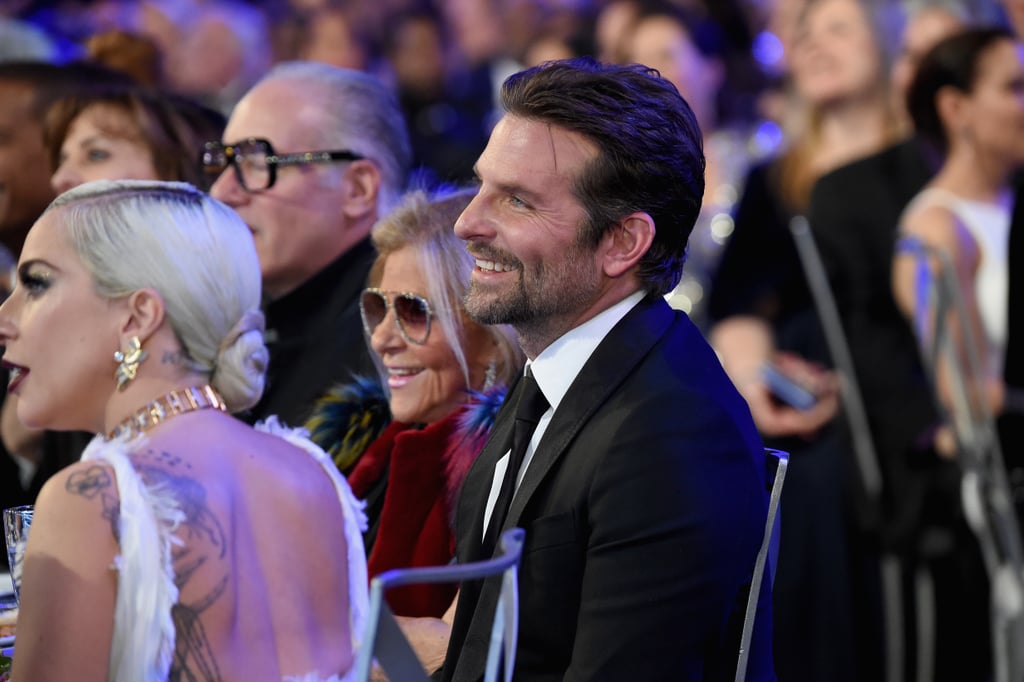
pixel 385 641
pixel 987 497
pixel 776 464
pixel 865 454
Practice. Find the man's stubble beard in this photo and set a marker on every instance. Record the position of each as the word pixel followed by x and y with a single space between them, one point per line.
pixel 531 309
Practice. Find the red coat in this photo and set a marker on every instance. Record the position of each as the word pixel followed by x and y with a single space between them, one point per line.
pixel 425 468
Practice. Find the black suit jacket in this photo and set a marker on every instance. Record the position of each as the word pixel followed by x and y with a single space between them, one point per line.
pixel 643 507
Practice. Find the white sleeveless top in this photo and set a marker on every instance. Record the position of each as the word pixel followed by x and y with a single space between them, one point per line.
pixel 143 643
pixel 989 225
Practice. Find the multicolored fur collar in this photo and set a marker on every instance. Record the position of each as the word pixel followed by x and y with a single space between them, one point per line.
pixel 351 416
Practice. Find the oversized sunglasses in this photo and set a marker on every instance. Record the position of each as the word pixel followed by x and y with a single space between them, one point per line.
pixel 256 163
pixel 412 313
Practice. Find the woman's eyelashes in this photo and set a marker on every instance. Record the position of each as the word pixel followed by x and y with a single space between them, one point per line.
pixel 34 280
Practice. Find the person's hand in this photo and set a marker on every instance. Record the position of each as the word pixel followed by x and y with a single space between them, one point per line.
pixel 776 419
pixel 428 638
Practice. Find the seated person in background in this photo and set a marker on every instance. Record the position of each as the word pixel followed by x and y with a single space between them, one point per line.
pixel 312 156
pixel 128 134
pixel 181 546
pixel 445 375
pixel 966 98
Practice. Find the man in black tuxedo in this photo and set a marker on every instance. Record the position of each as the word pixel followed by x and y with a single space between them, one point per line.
pixel 642 490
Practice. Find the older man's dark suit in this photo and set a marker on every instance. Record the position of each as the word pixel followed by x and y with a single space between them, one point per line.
pixel 643 508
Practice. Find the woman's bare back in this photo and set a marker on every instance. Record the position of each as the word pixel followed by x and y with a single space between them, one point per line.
pixel 262 568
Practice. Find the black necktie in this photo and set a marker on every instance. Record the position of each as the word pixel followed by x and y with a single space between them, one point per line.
pixel 531 407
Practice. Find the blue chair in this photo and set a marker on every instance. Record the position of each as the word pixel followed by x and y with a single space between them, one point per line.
pixel 776 462
pixel 385 641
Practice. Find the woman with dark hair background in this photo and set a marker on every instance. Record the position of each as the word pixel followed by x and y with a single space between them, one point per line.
pixel 968 99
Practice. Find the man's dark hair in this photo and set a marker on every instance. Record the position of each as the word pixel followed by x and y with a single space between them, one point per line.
pixel 951 62
pixel 650 153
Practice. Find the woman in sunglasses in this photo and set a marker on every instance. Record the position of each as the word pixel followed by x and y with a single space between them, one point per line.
pixel 443 372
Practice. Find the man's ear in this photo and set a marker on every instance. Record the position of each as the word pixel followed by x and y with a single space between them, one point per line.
pixel 626 243
pixel 145 313
pixel 361 186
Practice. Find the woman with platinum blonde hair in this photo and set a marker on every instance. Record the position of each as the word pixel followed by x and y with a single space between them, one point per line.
pixel 179 547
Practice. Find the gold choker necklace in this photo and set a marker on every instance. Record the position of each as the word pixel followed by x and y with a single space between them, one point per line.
pixel 178 401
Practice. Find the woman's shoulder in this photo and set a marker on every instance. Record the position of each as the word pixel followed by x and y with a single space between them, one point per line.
pixel 77 513
pixel 93 476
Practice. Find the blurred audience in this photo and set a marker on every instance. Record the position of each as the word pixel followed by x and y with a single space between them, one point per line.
pixel 331 35
pixel 763 314
pixel 926 25
pixel 689 51
pixel 445 106
pixel 854 215
pixel 967 98
pixel 311 157
pixel 612 26
pixel 134 54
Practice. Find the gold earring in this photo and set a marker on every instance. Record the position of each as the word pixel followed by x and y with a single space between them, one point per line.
pixel 128 363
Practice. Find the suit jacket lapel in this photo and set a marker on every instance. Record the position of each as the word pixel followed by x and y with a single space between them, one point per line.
pixel 613 360
pixel 627 343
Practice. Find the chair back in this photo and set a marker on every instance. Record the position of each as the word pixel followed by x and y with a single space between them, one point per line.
pixel 776 462
pixel 384 640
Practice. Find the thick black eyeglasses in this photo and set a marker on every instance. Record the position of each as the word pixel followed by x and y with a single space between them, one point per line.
pixel 255 162
pixel 412 313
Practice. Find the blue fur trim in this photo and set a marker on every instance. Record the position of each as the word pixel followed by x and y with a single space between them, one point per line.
pixel 348 418
pixel 479 418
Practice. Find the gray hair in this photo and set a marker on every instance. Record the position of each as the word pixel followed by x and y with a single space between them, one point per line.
pixel 426 223
pixel 362 115
pixel 196 253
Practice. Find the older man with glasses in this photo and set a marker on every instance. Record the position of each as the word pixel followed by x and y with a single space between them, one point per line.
pixel 316 155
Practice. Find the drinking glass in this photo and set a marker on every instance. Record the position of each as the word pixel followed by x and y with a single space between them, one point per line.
pixel 16 524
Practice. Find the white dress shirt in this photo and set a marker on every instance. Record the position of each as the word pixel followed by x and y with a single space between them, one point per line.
pixel 554 370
